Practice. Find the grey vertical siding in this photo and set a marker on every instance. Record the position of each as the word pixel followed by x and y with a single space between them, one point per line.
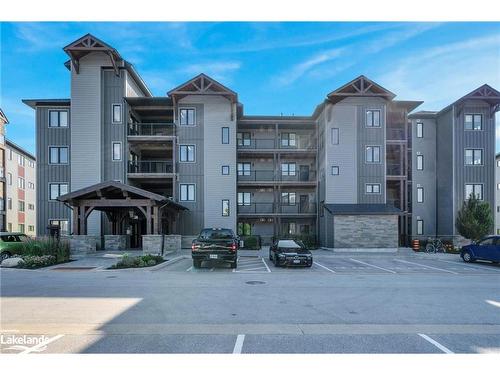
pixel 45 173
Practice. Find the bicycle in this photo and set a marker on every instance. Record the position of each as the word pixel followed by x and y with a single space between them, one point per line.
pixel 434 245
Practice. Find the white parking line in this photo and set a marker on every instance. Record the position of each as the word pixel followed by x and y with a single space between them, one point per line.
pixel 423 265
pixel 372 265
pixel 41 345
pixel 326 268
pixel 238 345
pixel 265 264
pixel 463 264
pixel 493 303
pixel 436 344
pixel 189 269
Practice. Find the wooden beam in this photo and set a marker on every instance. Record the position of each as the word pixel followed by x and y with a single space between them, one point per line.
pixel 156 220
pixel 115 202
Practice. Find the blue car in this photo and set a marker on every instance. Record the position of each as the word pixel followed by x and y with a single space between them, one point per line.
pixel 486 249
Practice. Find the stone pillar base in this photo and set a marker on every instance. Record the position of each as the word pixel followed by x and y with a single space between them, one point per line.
pixel 116 241
pixel 186 241
pixel 172 242
pixel 151 244
pixel 82 245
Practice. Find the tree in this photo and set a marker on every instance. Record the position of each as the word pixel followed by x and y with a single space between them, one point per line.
pixel 474 219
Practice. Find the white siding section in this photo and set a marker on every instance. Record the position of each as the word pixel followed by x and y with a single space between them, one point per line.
pixel 85 150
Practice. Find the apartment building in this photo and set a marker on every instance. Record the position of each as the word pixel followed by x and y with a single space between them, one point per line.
pixel 20 171
pixel 343 174
pixel 497 194
pixel 453 157
pixel 3 190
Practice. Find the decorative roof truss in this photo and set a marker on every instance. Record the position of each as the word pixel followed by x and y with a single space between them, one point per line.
pixel 360 86
pixel 485 93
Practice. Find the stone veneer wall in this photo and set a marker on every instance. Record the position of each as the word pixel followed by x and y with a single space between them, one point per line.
pixel 186 241
pixel 82 245
pixel 116 241
pixel 365 231
pixel 151 243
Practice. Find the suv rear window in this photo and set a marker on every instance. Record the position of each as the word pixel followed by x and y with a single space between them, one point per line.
pixel 11 238
pixel 216 234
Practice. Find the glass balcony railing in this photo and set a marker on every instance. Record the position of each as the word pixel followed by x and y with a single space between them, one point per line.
pixel 272 176
pixel 151 129
pixel 150 166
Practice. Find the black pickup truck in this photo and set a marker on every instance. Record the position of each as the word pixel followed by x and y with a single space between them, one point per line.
pixel 215 244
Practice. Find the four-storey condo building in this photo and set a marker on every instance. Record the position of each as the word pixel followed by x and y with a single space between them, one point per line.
pixel 194 159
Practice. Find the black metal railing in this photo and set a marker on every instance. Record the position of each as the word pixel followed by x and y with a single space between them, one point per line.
pixel 299 143
pixel 150 166
pixel 395 134
pixel 394 169
pixel 277 208
pixel 151 129
pixel 272 175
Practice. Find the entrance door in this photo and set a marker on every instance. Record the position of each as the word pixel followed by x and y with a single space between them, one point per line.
pixel 304 204
pixel 304 172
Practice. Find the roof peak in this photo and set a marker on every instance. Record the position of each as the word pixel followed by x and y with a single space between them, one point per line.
pixel 360 86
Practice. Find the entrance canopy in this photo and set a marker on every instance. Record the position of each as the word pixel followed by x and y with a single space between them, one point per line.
pixel 117 200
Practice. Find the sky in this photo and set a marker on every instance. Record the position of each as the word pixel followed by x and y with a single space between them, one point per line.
pixel 276 68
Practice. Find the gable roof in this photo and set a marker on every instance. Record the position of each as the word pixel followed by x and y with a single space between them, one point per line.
pixel 360 86
pixel 203 85
pixel 3 117
pixel 484 92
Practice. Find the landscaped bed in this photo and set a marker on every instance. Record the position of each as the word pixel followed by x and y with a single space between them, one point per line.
pixel 138 261
pixel 42 252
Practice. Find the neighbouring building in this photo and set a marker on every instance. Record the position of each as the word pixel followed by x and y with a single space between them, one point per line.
pixel 20 168
pixel 497 194
pixel 3 190
pixel 115 160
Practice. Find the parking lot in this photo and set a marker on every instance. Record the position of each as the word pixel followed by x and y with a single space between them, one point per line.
pixel 344 303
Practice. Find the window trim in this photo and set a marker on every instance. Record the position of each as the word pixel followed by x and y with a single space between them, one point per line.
pixel 228 170
pixel 180 191
pixel 373 118
pixel 113 105
pixel 420 188
pixel 421 130
pixel 474 114
pixel 58 118
pixel 288 168
pixel 473 149
pixel 19 179
pixel 243 163
pixel 243 202
pixel 194 153
pixel 372 184
pixel 228 135
pixel 194 115
pixel 421 222
pixel 223 214
pixel 335 130
pixel 59 156
pixel 113 143
pixel 287 194
pixel 243 139
pixel 473 190
pixel 287 139
pixel 338 170
pixel 57 183
pixel 379 154
pixel 416 162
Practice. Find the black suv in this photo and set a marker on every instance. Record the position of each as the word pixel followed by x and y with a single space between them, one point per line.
pixel 215 244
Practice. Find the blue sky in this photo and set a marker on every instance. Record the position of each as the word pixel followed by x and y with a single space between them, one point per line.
pixel 275 67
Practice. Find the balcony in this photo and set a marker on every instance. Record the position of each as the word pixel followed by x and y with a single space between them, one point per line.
pixel 150 168
pixel 395 169
pixel 277 208
pixel 145 129
pixel 301 143
pixel 273 176
pixel 394 134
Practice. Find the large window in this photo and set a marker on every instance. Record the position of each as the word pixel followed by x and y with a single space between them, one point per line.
pixel 476 189
pixel 225 135
pixel 244 228
pixel 117 151
pixel 288 140
pixel 187 153
pixel 372 188
pixel 372 154
pixel 116 115
pixel 473 157
pixel 244 169
pixel 335 136
pixel 57 189
pixel 187 192
pixel 473 122
pixel 58 155
pixel 62 224
pixel 420 130
pixel 288 199
pixel 244 139
pixel 420 162
pixel 244 199
pixel 420 194
pixel 288 169
pixel 58 119
pixel 420 227
pixel 225 207
pixel 373 118
pixel 21 183
pixel 187 116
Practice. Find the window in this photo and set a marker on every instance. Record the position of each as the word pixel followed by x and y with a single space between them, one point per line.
pixel 244 169
pixel 420 227
pixel 57 189
pixel 9 178
pixel 335 136
pixel 498 186
pixel 21 228
pixel 31 206
pixel 289 228
pixel 10 154
pixel 9 227
pixel 225 207
pixel 473 122
pixel 31 163
pixel 420 130
pixel 372 154
pixel 373 118
pixel 473 157
pixel 21 183
pixel 335 170
pixel 225 170
pixel 476 189
pixel 31 186
pixel 62 224
pixel 420 162
pixel 288 169
pixel 31 228
pixel 244 199
pixel 225 135
pixel 498 163
pixel 187 153
pixel 58 155
pixel 244 228
pixel 116 113
pixel 288 140
pixel 9 203
pixel 58 119
pixel 21 206
pixel 372 188
pixel 187 192
pixel 244 139
pixel 21 160
pixel 187 116
pixel 288 199
pixel 117 151
pixel 420 195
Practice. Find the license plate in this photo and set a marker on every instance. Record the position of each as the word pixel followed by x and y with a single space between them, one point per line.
pixel 213 256
pixel 296 261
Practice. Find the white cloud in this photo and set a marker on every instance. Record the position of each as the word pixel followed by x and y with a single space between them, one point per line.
pixel 219 70
pixel 39 36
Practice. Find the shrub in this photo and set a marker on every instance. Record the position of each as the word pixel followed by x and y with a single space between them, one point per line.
pixel 251 242
pixel 45 246
pixel 37 261
pixel 138 262
pixel 474 219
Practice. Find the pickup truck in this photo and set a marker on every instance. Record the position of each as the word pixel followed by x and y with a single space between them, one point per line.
pixel 215 244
